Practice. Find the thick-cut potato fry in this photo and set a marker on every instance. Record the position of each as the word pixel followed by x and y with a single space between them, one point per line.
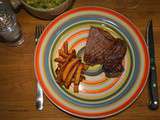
pixel 57 70
pixel 78 78
pixel 70 76
pixel 59 78
pixel 62 53
pixel 85 67
pixel 68 59
pixel 71 51
pixel 59 59
pixel 76 90
pixel 65 47
pixel 69 67
pixel 60 65
pixel 78 74
pixel 82 77
pixel 76 86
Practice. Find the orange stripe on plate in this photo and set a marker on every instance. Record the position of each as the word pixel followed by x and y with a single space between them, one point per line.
pixel 77 43
pixel 93 82
pixel 79 113
pixel 103 89
pixel 77 34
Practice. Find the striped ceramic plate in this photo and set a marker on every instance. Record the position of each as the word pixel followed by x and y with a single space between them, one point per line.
pixel 98 96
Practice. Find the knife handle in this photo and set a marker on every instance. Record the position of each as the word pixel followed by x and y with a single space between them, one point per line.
pixel 153 89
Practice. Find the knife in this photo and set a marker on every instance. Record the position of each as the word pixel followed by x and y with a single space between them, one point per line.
pixel 152 79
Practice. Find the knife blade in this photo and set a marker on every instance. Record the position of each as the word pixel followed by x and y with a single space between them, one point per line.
pixel 152 79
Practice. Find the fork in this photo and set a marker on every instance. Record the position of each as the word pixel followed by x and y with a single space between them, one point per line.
pixel 39 92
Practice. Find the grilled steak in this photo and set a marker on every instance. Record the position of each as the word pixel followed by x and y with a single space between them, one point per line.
pixel 103 48
pixel 97 46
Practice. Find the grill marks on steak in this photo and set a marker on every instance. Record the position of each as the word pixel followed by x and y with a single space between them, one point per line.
pixel 97 46
pixel 113 62
pixel 103 48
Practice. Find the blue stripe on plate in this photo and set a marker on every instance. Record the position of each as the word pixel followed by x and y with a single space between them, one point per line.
pixel 116 25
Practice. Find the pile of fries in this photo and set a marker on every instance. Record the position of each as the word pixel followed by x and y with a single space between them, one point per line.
pixel 70 68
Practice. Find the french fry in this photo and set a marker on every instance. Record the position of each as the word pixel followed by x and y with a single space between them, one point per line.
pixel 71 51
pixel 68 59
pixel 78 78
pixel 65 47
pixel 69 67
pixel 85 67
pixel 78 74
pixel 76 86
pixel 76 90
pixel 62 53
pixel 70 76
pixel 59 78
pixel 57 70
pixel 59 59
pixel 82 77
pixel 60 65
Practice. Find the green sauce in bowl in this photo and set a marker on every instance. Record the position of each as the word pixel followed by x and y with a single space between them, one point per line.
pixel 44 4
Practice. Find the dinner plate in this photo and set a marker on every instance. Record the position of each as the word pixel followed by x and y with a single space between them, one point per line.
pixel 98 95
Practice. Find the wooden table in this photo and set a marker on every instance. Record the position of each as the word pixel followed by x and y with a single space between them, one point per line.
pixel 17 80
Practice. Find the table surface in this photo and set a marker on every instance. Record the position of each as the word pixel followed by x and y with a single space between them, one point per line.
pixel 17 79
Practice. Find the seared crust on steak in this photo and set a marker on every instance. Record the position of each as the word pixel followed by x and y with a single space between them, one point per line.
pixel 103 48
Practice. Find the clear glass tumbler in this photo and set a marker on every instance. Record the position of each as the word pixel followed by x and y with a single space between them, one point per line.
pixel 9 28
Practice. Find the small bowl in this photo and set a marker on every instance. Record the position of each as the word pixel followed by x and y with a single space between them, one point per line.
pixel 43 13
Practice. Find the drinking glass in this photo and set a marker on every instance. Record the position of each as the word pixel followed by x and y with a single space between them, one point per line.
pixel 9 27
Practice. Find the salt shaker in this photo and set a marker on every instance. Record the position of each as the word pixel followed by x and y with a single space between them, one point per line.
pixel 9 28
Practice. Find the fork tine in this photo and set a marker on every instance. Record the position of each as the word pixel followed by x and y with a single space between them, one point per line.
pixel 36 31
pixel 39 30
pixel 42 28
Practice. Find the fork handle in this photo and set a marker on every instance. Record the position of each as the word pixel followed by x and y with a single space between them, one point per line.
pixel 39 97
